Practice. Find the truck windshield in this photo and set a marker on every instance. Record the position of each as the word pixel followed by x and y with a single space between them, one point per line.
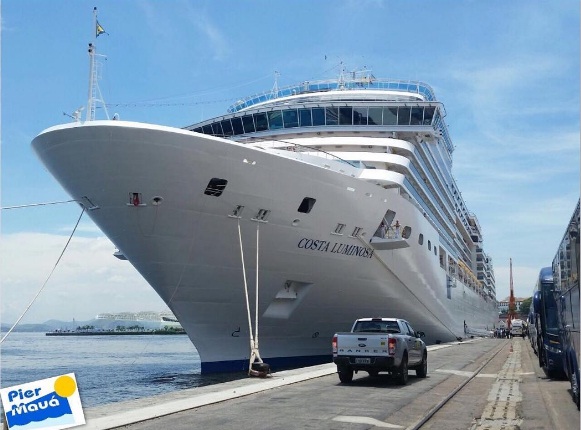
pixel 376 326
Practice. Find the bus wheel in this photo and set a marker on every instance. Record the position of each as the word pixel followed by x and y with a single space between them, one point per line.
pixel 575 387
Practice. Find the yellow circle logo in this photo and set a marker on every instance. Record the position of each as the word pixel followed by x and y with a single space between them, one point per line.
pixel 65 386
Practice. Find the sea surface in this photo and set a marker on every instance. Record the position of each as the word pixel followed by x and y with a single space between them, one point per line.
pixel 108 369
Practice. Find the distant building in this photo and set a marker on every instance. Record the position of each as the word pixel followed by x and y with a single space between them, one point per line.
pixel 503 304
pixel 165 318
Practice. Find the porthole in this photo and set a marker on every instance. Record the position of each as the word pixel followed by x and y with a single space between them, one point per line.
pixel 421 239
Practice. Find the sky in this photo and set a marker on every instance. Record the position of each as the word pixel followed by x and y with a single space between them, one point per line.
pixel 507 73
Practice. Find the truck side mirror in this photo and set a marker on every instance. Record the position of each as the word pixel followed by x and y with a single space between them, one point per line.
pixel 420 334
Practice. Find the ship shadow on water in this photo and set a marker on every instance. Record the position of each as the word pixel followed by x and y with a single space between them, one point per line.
pixel 184 381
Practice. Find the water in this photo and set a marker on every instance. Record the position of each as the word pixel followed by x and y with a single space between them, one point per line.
pixel 108 369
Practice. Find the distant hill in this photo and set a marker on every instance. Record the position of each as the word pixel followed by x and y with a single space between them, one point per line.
pixel 103 324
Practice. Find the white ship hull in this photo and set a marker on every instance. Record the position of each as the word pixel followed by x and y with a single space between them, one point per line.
pixel 312 282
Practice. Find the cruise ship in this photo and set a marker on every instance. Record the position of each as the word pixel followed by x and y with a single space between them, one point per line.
pixel 289 216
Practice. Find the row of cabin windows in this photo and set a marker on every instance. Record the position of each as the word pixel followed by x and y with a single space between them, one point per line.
pixel 320 116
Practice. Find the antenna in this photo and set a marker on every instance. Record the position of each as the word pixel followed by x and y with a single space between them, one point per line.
pixel 274 93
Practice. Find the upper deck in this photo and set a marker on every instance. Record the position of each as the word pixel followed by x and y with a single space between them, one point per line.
pixel 354 81
pixel 355 103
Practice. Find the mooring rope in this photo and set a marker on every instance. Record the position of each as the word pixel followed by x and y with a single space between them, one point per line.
pixel 245 287
pixel 37 204
pixel 47 279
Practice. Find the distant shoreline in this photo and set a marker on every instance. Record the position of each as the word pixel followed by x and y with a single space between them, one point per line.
pixel 113 333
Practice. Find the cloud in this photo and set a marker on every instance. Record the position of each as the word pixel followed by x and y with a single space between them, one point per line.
pixel 87 281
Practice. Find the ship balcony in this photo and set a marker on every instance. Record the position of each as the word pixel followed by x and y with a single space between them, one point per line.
pixel 388 243
pixel 383 178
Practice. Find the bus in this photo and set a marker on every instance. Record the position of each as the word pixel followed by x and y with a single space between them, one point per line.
pixel 545 328
pixel 566 279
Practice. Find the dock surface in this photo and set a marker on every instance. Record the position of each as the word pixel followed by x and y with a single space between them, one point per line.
pixel 477 384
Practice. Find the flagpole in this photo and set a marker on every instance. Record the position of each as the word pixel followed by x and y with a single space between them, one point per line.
pixel 92 48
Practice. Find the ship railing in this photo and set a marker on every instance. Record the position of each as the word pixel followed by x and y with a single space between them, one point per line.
pixel 336 84
pixel 308 150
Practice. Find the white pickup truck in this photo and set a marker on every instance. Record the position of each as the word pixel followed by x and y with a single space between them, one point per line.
pixel 380 345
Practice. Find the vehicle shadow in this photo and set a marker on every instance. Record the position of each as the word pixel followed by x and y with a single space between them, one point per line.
pixel 363 379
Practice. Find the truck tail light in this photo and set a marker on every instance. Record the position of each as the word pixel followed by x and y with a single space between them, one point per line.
pixel 334 344
pixel 391 345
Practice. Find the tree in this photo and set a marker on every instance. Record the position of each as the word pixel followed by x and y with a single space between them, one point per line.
pixel 525 306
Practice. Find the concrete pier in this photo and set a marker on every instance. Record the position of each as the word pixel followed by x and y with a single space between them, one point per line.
pixel 477 384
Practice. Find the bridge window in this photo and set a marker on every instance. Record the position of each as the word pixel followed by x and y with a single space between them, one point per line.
pixel 217 129
pixel 332 116
pixel 345 116
pixel 248 124
pixel 305 118
pixel 227 127
pixel 275 119
pixel 403 116
pixel 374 116
pixel 417 116
pixel 390 116
pixel 318 116
pixel 290 118
pixel 260 121
pixel 428 115
pixel 237 125
pixel 359 116
pixel 321 116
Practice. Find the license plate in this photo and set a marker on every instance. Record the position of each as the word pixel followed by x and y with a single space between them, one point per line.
pixel 363 361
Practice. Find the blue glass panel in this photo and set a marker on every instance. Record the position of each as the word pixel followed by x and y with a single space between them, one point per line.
pixel 248 124
pixel 290 118
pixel 345 116
pixel 217 129
pixel 428 115
pixel 359 116
pixel 403 116
pixel 305 117
pixel 207 129
pixel 275 119
pixel 390 116
pixel 417 116
pixel 332 115
pixel 260 121
pixel 227 127
pixel 318 116
pixel 237 125
pixel 374 116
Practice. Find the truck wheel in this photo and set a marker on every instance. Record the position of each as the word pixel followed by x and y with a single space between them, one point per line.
pixel 402 373
pixel 345 374
pixel 422 369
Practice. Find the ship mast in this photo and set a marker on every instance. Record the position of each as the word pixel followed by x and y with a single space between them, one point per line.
pixel 93 73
